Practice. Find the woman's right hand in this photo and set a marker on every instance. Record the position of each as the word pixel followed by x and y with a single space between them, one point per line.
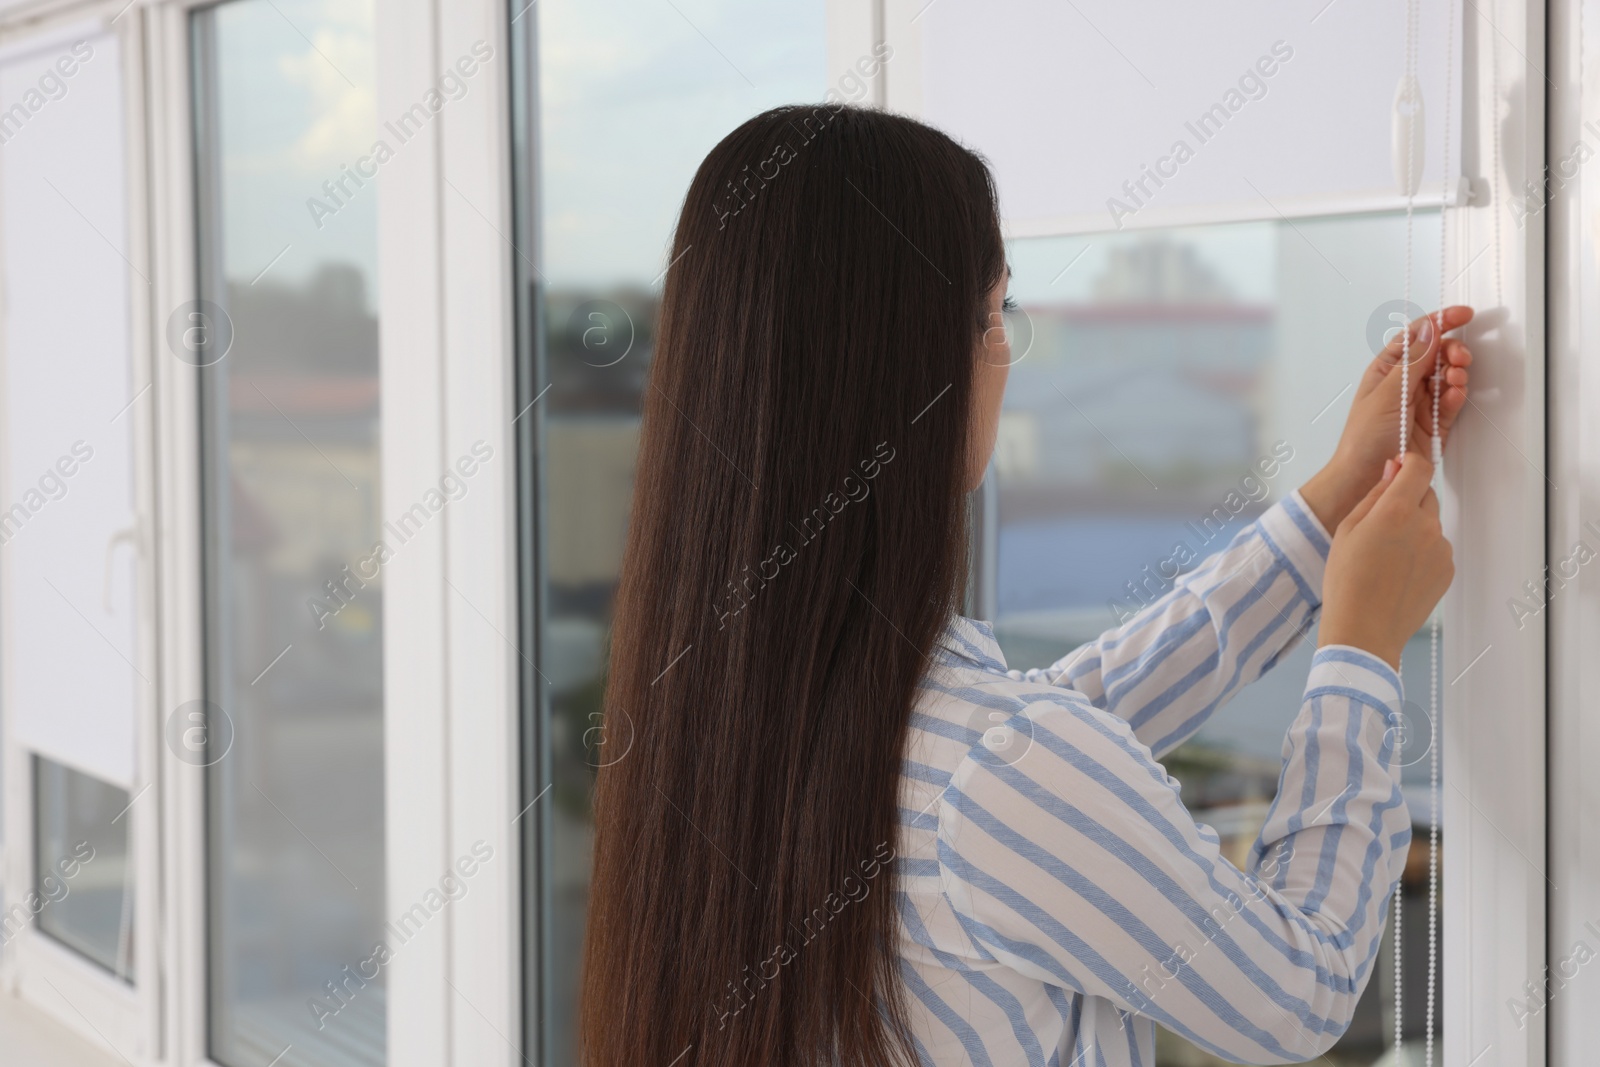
pixel 1389 564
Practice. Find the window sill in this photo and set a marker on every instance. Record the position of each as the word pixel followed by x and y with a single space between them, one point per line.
pixel 33 1038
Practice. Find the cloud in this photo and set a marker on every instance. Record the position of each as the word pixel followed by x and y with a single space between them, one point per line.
pixel 343 115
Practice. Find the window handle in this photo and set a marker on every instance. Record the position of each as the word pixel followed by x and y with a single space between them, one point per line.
pixel 128 534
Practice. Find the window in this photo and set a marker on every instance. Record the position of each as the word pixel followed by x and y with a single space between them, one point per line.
pixel 289 399
pixel 78 662
pixel 617 144
pixel 81 865
pixel 1169 386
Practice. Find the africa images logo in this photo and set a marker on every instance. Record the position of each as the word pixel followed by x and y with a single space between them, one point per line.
pixel 199 733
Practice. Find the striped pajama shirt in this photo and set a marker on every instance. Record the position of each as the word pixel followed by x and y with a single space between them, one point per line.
pixel 1057 899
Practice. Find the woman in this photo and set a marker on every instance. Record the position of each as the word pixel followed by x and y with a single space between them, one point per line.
pixel 845 832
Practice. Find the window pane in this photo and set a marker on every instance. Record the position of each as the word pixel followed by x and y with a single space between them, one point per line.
pixel 630 99
pixel 82 877
pixel 1165 374
pixel 293 732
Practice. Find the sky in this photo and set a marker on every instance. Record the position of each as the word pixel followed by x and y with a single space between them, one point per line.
pixel 295 101
pixel 633 97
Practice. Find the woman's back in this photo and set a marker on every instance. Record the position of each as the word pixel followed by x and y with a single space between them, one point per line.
pixel 1056 898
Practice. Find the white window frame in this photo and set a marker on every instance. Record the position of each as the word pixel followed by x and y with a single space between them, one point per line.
pixel 1573 613
pixel 121 1017
pixel 1493 797
pixel 450 612
pixel 173 205
pixel 450 706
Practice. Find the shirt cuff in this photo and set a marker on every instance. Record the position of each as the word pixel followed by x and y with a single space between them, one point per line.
pixel 1299 540
pixel 1353 672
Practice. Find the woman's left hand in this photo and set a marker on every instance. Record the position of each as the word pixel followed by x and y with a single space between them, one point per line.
pixel 1372 430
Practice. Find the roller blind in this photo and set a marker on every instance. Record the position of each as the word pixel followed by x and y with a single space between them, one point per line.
pixel 70 623
pixel 1103 115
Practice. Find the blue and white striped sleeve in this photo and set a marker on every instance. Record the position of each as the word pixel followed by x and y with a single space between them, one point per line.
pixel 1220 627
pixel 1072 859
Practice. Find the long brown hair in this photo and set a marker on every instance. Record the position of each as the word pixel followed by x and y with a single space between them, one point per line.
pixel 797 542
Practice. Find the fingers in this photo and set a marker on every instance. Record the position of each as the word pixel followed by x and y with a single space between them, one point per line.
pixel 1375 373
pixel 1420 369
pixel 1452 387
pixel 1457 358
pixel 1411 484
pixel 1424 352
pixel 1456 315
pixel 1360 511
pixel 1451 404
pixel 1422 333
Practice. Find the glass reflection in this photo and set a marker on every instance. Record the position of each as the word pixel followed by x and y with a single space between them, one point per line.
pixel 291 463
pixel 1174 385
